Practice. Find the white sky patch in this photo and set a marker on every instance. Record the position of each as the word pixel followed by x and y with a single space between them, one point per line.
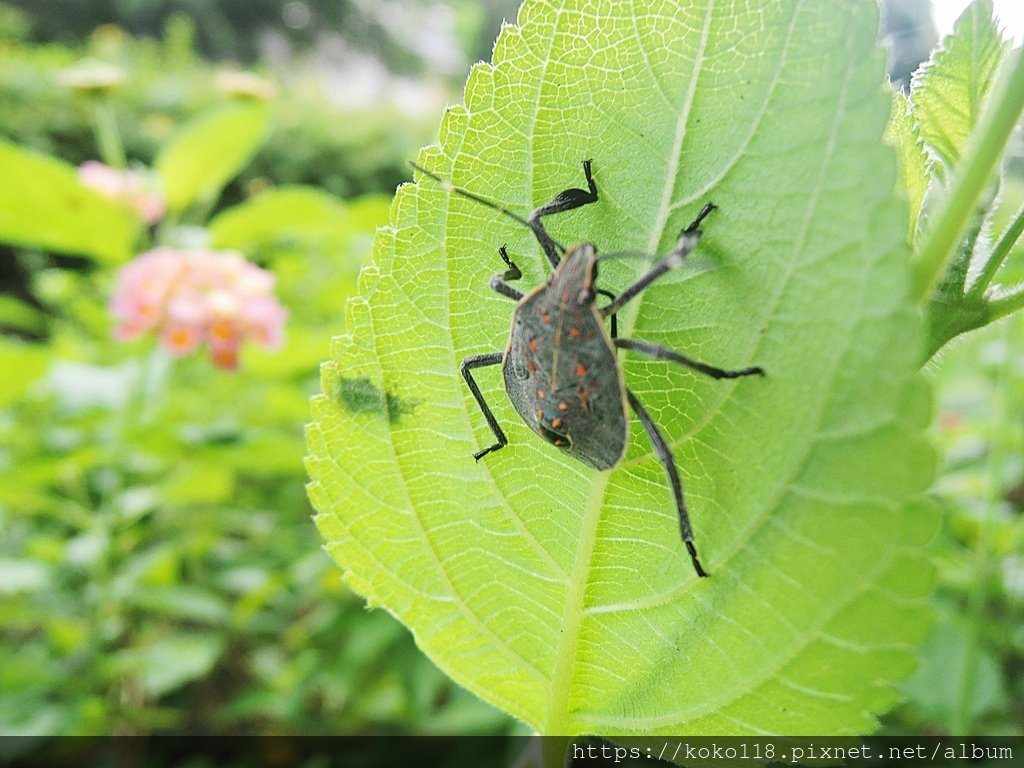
pixel 1009 16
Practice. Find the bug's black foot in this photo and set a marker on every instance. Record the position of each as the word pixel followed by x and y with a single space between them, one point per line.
pixel 480 454
pixel 693 228
pixel 696 563
pixel 513 272
pixel 752 371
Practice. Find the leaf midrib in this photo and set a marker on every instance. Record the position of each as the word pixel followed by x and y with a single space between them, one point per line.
pixel 570 640
pixel 557 721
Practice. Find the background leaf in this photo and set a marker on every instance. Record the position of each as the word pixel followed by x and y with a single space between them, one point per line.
pixel 285 212
pixel 947 95
pixel 914 164
pixel 22 364
pixel 173 661
pixel 209 151
pixel 941 682
pixel 43 205
pixel 949 89
pixel 563 595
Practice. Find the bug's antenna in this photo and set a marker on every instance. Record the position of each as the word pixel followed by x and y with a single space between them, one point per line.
pixel 472 196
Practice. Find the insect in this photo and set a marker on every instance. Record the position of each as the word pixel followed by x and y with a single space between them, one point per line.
pixel 560 366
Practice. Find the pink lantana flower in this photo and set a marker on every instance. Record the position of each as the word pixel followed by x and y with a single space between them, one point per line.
pixel 130 188
pixel 191 297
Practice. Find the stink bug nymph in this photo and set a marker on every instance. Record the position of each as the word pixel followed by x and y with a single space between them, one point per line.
pixel 560 366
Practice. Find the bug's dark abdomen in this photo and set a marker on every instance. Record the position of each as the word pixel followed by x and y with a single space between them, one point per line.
pixel 563 378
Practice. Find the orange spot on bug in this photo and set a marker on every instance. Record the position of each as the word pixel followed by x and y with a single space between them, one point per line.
pixel 559 442
pixel 540 414
pixel 574 332
pixel 556 423
pixel 541 394
pixel 531 366
pixel 563 406
pixel 546 319
pixel 581 370
pixel 533 345
pixel 585 398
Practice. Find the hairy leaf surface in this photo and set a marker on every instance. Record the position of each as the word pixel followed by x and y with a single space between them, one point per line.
pixel 563 595
pixel 949 89
pixel 914 164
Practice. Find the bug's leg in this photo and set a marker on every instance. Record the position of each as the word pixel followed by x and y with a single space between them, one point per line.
pixel 498 282
pixel 665 457
pixel 566 200
pixel 615 320
pixel 664 353
pixel 479 361
pixel 685 243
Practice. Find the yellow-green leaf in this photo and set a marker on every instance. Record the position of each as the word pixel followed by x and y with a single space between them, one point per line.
pixel 914 165
pixel 948 91
pixel 285 212
pixel 43 205
pixel 22 365
pixel 561 594
pixel 208 152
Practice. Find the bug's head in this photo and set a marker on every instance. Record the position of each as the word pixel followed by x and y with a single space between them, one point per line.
pixel 578 270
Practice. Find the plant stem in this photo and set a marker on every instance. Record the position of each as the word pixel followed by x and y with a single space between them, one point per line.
pixel 983 151
pixel 999 253
pixel 108 138
pixel 1006 302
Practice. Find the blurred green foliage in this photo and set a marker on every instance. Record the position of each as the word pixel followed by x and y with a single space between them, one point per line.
pixel 344 152
pixel 159 572
pixel 158 567
pixel 971 678
pixel 235 29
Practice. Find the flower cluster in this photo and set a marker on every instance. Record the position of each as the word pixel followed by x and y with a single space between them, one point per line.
pixel 187 297
pixel 131 188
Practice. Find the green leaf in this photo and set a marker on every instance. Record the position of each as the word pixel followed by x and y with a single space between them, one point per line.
pixel 198 483
pixel 43 205
pixel 171 662
pixel 15 313
pixel 22 364
pixel 962 107
pixel 940 685
pixel 563 595
pixel 207 153
pixel 286 212
pixel 181 601
pixel 915 170
pixel 950 88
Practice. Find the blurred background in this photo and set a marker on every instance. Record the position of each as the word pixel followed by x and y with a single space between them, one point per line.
pixel 159 571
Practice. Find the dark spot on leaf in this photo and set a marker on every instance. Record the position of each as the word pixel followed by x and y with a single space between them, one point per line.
pixel 359 395
pixel 362 396
pixel 399 406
